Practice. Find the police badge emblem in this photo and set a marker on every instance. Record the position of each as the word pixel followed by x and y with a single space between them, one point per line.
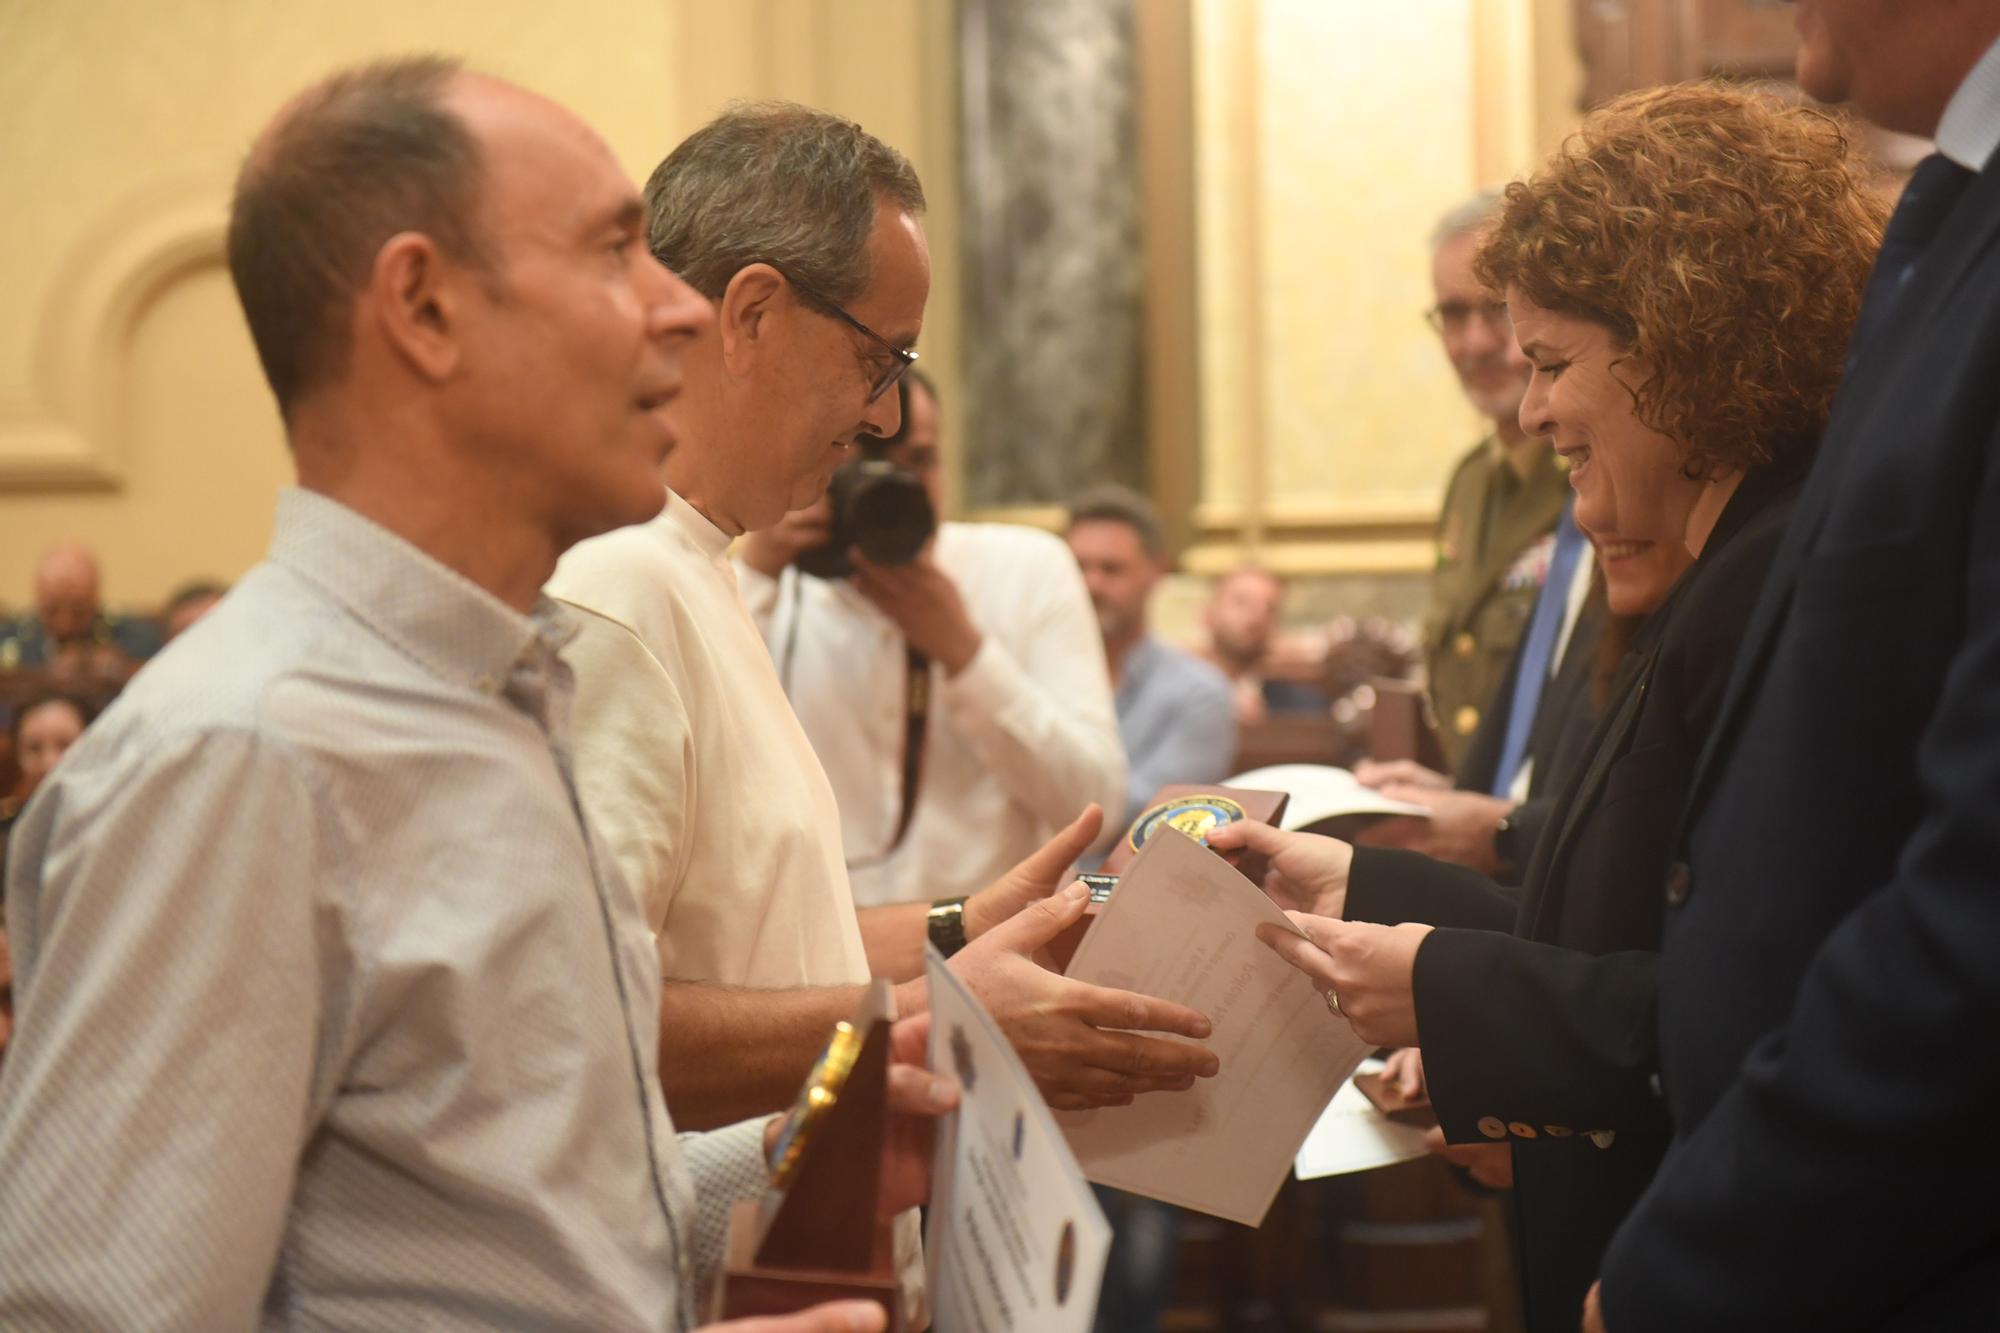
pixel 1192 815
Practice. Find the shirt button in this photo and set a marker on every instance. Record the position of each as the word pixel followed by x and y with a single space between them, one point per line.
pixel 1467 720
pixel 1464 645
pixel 1492 1127
pixel 1679 880
pixel 1557 1131
pixel 1603 1138
pixel 1521 1130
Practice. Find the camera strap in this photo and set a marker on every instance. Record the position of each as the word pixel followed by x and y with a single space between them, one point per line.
pixel 916 723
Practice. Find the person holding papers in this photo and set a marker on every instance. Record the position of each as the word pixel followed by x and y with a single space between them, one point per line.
pixel 1682 277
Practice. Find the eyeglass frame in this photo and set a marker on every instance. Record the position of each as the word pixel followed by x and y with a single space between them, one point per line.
pixel 1495 314
pixel 904 357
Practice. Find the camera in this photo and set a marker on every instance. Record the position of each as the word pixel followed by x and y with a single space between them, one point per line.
pixel 878 507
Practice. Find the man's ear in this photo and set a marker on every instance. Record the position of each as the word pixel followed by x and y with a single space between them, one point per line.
pixel 747 319
pixel 413 295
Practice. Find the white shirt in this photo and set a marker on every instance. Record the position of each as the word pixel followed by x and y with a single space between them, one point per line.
pixel 1016 744
pixel 332 1014
pixel 1969 131
pixel 694 770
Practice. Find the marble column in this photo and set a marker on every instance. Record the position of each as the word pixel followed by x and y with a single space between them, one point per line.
pixel 1053 271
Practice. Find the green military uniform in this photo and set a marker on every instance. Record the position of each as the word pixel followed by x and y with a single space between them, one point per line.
pixel 1494 539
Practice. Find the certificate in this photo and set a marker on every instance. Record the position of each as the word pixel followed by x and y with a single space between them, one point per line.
pixel 1183 926
pixel 1016 1240
pixel 1352 1135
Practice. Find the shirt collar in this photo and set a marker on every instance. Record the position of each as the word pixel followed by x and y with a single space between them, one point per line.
pixel 710 540
pixel 1969 132
pixel 451 626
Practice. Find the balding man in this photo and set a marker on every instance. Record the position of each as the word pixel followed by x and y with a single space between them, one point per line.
pixel 69 629
pixel 332 1011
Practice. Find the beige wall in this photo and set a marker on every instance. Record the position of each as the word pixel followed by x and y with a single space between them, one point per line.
pixel 131 411
pixel 1317 142
pixel 1328 139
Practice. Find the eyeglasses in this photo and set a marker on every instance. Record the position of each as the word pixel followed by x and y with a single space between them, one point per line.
pixel 903 357
pixel 1454 317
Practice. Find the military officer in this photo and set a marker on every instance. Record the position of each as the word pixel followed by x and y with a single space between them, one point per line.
pixel 1500 508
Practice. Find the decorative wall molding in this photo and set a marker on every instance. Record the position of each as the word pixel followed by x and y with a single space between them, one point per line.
pixel 67 432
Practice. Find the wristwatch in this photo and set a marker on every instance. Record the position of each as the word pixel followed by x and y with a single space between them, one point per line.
pixel 946 923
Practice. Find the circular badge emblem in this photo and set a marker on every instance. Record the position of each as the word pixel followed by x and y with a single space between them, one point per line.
pixel 1192 815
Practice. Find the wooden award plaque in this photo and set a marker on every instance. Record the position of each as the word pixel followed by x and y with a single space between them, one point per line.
pixel 815 1236
pixel 1194 809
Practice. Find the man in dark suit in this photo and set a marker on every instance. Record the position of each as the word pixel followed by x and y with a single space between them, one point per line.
pixel 1489 813
pixel 1829 992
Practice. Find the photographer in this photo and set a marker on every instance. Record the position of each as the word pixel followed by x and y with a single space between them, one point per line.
pixel 958 699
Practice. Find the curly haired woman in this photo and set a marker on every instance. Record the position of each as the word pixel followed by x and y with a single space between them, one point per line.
pixel 1683 277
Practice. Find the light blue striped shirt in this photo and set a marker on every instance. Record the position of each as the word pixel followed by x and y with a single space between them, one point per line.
pixel 331 1013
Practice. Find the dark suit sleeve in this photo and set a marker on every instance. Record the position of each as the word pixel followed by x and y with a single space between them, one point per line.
pixel 1860 1134
pixel 1389 886
pixel 1529 1032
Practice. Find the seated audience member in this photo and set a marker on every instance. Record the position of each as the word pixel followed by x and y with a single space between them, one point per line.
pixel 69 633
pixel 1178 721
pixel 188 604
pixel 802 232
pixel 334 1013
pixel 1682 276
pixel 1242 620
pixel 1176 713
pixel 959 702
pixel 1500 506
pixel 43 729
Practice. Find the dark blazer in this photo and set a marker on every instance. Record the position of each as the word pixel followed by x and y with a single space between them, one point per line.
pixel 1830 983
pixel 1544 1037
pixel 1561 733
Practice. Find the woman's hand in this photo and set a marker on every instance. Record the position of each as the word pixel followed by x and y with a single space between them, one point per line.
pixel 1491 1164
pixel 1308 872
pixel 1367 969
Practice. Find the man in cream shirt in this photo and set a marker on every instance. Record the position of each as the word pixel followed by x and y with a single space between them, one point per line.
pixel 802 230
pixel 1018 732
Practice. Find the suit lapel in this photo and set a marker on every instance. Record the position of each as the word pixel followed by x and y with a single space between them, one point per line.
pixel 1966 235
pixel 1608 746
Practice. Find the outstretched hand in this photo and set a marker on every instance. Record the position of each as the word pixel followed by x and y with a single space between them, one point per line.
pixel 1085 1045
pixel 1367 967
pixel 1381 773
pixel 1308 872
pixel 1034 878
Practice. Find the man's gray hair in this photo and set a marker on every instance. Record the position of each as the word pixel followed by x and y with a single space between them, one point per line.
pixel 1467 219
pixel 1112 503
pixel 779 184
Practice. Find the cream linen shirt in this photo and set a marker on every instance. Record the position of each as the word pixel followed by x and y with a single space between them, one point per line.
pixel 1017 743
pixel 694 770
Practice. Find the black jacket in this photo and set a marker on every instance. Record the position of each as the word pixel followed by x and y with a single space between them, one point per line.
pixel 1830 982
pixel 1563 722
pixel 1537 1026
